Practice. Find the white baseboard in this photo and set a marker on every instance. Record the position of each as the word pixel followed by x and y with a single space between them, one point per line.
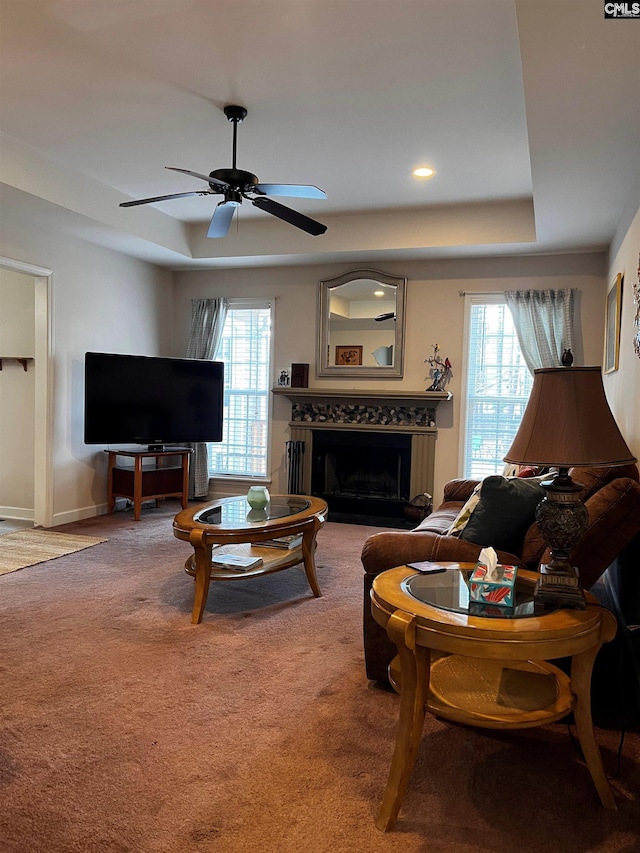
pixel 16 513
pixel 92 511
pixel 78 514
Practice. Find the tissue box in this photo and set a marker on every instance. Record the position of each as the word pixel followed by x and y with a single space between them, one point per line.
pixel 499 592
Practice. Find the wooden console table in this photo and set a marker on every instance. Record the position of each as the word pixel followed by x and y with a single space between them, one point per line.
pixel 139 484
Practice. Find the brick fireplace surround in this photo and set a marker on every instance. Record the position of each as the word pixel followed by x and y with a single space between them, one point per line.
pixel 317 414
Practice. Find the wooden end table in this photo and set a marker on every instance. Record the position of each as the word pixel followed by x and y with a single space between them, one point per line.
pixel 230 526
pixel 489 670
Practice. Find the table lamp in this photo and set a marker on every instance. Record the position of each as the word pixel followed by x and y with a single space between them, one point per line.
pixel 567 424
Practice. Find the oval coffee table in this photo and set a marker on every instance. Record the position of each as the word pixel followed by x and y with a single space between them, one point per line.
pixel 231 527
pixel 483 666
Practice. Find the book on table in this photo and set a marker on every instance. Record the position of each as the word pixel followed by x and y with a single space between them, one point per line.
pixel 235 561
pixel 287 543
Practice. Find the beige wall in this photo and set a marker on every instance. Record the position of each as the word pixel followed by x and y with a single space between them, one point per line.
pixel 17 326
pixel 17 395
pixel 435 313
pixel 623 386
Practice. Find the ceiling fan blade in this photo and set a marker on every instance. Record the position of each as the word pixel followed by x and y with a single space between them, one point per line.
pixel 162 198
pixel 290 216
pixel 290 190
pixel 221 185
pixel 221 220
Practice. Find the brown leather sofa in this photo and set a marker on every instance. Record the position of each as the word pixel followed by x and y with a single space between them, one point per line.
pixel 612 497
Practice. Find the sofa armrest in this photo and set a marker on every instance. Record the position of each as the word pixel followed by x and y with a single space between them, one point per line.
pixel 386 550
pixel 614 520
pixel 459 490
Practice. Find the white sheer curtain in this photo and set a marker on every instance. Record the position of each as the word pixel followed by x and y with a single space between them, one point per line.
pixel 543 320
pixel 207 323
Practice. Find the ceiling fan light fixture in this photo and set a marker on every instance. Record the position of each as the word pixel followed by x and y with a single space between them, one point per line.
pixel 233 197
pixel 423 172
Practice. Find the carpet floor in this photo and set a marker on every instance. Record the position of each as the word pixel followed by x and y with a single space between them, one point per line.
pixel 126 729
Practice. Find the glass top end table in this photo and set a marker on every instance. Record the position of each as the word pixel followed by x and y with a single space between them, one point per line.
pixel 486 670
pixel 449 590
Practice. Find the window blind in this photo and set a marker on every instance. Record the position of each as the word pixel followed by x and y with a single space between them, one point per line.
pixel 245 349
pixel 498 388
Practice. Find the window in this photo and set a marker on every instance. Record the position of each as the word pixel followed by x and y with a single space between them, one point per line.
pixel 245 348
pixel 497 387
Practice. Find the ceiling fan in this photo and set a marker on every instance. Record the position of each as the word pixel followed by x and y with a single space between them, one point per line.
pixel 235 184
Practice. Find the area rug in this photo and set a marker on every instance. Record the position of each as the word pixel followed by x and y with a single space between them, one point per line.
pixel 23 548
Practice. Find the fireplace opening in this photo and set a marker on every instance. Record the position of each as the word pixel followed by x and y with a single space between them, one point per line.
pixel 361 473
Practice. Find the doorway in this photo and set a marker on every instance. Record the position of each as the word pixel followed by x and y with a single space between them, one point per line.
pixel 42 366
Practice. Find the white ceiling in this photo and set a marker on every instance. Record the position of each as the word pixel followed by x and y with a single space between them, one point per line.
pixel 528 111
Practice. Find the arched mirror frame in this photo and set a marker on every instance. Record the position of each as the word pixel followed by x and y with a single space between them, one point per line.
pixel 323 367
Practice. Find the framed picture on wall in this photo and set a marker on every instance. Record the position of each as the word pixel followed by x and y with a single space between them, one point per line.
pixel 612 325
pixel 349 355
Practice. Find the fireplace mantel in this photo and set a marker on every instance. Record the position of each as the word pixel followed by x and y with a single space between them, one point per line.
pixel 411 398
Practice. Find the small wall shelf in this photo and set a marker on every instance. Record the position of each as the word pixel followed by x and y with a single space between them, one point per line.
pixel 23 361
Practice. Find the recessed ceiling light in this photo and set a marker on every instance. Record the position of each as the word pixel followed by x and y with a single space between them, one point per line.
pixel 423 172
pixel 378 292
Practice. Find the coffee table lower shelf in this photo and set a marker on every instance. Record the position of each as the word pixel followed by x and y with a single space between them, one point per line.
pixel 273 560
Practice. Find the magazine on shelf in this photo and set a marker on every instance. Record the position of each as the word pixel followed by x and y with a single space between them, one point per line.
pixel 235 561
pixel 287 543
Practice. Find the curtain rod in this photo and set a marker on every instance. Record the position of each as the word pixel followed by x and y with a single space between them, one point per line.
pixel 501 292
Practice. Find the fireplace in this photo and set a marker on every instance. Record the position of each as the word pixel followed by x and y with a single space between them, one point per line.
pixel 363 473
pixel 365 452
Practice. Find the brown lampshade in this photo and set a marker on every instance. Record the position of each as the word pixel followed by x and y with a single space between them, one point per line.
pixel 568 422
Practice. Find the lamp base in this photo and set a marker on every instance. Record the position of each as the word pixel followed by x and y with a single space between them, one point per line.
pixel 562 590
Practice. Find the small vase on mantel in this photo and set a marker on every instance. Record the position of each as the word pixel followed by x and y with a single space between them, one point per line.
pixel 258 497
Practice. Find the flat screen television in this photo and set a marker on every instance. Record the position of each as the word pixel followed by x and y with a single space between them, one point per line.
pixel 137 399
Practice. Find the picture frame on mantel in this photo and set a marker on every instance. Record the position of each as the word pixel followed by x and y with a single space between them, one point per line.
pixel 349 355
pixel 613 309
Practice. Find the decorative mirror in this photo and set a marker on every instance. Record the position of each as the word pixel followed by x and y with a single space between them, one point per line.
pixel 361 325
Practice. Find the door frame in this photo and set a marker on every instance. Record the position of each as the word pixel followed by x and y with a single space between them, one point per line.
pixel 43 380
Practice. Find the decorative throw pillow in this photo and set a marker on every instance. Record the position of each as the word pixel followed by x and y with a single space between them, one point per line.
pixel 528 471
pixel 504 513
pixel 462 518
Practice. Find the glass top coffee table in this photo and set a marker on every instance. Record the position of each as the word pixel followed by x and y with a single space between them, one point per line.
pixel 489 668
pixel 230 526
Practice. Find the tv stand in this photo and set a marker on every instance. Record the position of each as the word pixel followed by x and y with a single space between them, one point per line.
pixel 139 484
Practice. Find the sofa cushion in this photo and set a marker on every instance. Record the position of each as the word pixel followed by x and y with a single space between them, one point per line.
pixel 440 520
pixel 504 513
